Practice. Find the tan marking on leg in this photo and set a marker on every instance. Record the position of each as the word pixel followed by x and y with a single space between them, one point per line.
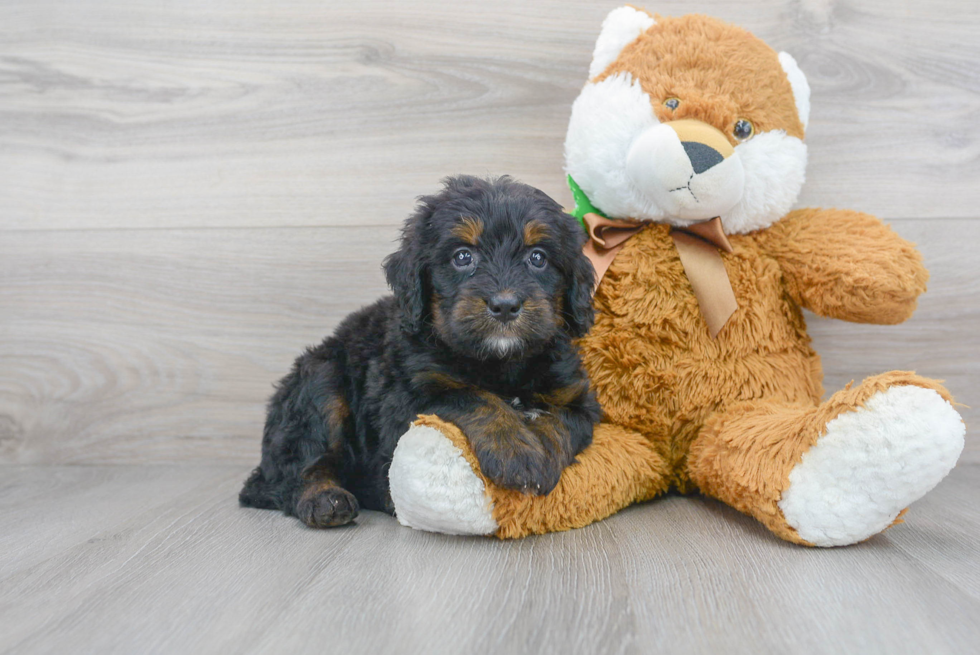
pixel 548 428
pixel 438 379
pixel 563 396
pixel 499 419
pixel 337 413
pixel 314 487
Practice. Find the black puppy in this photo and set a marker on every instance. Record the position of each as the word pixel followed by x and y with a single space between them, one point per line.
pixel 491 286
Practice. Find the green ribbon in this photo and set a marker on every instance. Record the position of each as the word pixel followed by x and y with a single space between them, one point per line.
pixel 583 205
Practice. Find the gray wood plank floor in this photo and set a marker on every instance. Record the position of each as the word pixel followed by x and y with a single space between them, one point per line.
pixel 192 192
pixel 159 559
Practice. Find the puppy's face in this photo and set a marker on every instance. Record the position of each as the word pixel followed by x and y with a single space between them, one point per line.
pixel 496 282
pixel 494 268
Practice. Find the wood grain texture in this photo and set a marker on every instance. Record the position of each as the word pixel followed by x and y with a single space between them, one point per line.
pixel 251 113
pixel 162 345
pixel 123 346
pixel 159 559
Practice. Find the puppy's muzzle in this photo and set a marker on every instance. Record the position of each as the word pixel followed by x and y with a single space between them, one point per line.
pixel 504 306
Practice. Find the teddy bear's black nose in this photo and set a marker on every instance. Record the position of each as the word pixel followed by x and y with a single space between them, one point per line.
pixel 702 157
pixel 504 306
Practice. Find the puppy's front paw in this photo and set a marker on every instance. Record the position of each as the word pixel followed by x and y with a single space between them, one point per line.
pixel 517 464
pixel 326 507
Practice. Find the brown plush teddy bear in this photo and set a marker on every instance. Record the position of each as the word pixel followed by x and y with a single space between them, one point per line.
pixel 685 154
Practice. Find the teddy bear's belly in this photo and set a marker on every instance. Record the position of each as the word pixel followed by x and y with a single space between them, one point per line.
pixel 654 365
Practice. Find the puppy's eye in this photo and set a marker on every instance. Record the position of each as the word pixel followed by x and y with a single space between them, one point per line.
pixel 538 259
pixel 743 129
pixel 462 258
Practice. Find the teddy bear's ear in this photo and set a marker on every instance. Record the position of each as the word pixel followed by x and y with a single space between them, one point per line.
pixel 621 27
pixel 801 89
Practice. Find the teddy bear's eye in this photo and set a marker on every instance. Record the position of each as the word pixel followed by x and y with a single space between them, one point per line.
pixel 743 129
pixel 672 103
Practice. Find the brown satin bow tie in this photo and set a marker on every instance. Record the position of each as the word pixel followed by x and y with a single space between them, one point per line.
pixel 697 246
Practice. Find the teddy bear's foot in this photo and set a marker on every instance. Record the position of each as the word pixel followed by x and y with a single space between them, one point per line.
pixel 836 473
pixel 434 487
pixel 437 485
pixel 871 464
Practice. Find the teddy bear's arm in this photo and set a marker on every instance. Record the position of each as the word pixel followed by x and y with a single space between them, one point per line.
pixel 848 265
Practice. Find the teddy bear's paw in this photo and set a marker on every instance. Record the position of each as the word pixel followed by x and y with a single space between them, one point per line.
pixel 870 464
pixel 434 488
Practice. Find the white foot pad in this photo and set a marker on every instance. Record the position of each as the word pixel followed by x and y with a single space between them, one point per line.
pixel 871 464
pixel 434 488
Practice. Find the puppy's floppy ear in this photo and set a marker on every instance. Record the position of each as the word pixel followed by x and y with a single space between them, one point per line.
pixel 580 279
pixel 405 269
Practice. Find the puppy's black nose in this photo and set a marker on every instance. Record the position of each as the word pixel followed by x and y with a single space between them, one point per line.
pixel 504 306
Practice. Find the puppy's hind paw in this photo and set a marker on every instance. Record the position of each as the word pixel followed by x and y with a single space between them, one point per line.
pixel 433 485
pixel 327 507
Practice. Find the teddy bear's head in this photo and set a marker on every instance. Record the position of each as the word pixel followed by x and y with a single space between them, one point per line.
pixel 685 119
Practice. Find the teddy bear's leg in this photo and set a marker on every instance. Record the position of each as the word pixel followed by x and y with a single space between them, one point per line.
pixel 436 484
pixel 836 473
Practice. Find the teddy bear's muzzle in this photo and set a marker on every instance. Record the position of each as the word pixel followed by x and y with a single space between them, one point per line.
pixel 687 168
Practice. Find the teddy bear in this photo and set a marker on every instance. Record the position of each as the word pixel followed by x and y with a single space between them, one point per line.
pixel 685 154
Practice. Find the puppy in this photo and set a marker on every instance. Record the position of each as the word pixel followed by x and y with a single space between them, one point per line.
pixel 491 286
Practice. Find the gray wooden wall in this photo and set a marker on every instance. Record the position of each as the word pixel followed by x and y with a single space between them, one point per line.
pixel 191 192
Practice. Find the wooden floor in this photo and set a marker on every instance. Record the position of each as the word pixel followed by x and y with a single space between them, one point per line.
pixel 192 192
pixel 103 559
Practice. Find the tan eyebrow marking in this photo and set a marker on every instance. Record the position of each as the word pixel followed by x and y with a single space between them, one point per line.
pixel 468 230
pixel 535 232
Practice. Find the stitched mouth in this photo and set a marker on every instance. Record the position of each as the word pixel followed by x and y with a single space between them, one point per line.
pixel 687 187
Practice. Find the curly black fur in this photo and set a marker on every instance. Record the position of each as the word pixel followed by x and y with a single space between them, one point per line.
pixel 482 339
